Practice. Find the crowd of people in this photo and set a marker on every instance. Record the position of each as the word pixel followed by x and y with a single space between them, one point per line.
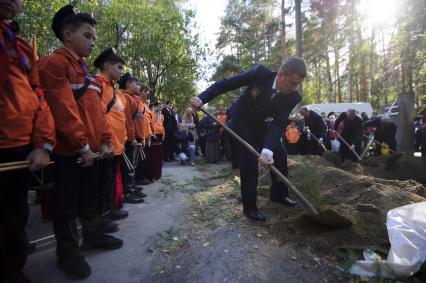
pixel 350 133
pixel 107 139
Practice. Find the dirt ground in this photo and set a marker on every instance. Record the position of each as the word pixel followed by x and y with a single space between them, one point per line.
pixel 219 244
pixel 191 229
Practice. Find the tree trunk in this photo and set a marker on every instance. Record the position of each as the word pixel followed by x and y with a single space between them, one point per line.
pixel 329 79
pixel 337 75
pixel 283 43
pixel 298 7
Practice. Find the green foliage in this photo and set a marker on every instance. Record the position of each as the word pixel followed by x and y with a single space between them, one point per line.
pixel 307 178
pixel 152 36
pixel 347 60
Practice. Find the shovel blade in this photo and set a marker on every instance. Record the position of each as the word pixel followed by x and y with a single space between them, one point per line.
pixel 330 218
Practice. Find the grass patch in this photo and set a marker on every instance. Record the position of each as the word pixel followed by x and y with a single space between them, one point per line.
pixel 307 178
pixel 163 238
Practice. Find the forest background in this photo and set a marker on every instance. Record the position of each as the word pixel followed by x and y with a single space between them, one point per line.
pixel 356 50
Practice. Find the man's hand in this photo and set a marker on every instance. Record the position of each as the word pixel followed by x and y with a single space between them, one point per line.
pixel 105 151
pixel 196 102
pixel 143 143
pixel 39 159
pixel 88 158
pixel 320 141
pixel 265 159
pixel 352 147
pixel 134 142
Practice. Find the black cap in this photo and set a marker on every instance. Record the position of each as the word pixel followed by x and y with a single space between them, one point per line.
pixel 58 19
pixel 123 80
pixel 100 60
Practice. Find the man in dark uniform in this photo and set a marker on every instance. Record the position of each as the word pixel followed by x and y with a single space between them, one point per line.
pixel 385 132
pixel 170 126
pixel 260 116
pixel 317 127
pixel 351 133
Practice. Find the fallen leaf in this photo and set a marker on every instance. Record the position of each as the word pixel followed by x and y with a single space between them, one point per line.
pixel 259 235
pixel 206 244
pixel 226 251
pixel 293 258
pixel 177 266
pixel 175 238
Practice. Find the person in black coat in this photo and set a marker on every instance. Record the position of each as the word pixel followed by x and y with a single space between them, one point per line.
pixel 351 133
pixel 170 126
pixel 259 116
pixel 385 132
pixel 317 127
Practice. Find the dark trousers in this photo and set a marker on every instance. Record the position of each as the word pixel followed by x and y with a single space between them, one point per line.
pixel 76 194
pixel 107 171
pixel 249 166
pixel 128 175
pixel 234 145
pixel 169 147
pixel 314 148
pixel 345 151
pixel 13 216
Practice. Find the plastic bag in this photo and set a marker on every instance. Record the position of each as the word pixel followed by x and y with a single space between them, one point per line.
pixel 407 235
pixel 335 145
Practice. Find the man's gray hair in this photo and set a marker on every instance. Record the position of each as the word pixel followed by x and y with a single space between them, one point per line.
pixel 293 65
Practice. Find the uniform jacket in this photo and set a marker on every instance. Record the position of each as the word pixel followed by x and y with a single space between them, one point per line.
pixel 79 121
pixel 316 124
pixel 25 115
pixel 258 105
pixel 130 110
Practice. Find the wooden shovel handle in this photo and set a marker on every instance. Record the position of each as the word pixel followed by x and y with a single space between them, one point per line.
pixel 271 167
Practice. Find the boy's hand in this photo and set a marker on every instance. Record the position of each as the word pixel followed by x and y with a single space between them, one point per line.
pixel 39 159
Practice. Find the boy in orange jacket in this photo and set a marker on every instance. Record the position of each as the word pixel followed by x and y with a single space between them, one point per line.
pixel 111 66
pixel 27 132
pixel 134 114
pixel 80 128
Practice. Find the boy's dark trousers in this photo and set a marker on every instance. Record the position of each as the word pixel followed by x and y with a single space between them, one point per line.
pixel 13 216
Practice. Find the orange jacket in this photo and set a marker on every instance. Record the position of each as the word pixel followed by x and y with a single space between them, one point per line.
pixel 61 75
pixel 292 134
pixel 25 115
pixel 116 118
pixel 138 120
pixel 91 109
pixel 147 122
pixel 157 123
pixel 130 110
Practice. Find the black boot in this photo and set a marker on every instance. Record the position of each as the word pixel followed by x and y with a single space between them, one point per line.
pixel 106 242
pixel 74 267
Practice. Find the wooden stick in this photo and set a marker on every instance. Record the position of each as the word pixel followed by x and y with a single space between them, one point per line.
pixel 18 167
pixel 350 148
pixel 321 144
pixel 271 167
pixel 378 143
pixel 8 164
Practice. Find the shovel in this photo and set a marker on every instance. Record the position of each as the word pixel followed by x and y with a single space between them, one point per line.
pixel 327 217
pixel 395 154
pixel 330 155
pixel 350 148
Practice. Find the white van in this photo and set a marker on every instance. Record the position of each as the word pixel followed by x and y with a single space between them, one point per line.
pixel 342 107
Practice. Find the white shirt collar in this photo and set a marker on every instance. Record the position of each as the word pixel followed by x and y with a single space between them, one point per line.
pixel 274 86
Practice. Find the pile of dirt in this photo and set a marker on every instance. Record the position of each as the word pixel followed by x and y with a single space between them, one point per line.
pixel 405 168
pixel 355 193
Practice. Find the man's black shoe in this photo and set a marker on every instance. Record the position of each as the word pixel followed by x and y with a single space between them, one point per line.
pixel 111 227
pixel 117 214
pixel 75 267
pixel 138 187
pixel 143 182
pixel 139 193
pixel 255 215
pixel 132 198
pixel 286 201
pixel 106 242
